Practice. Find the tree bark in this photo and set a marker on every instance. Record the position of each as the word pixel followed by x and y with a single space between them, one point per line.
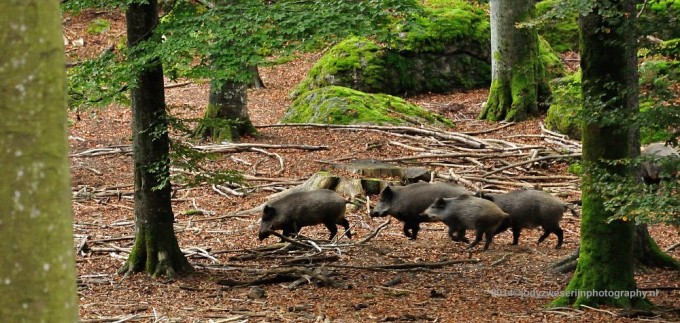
pixel 517 73
pixel 226 117
pixel 37 259
pixel 155 250
pixel 609 74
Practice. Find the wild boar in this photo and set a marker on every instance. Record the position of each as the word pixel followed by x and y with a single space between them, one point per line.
pixel 529 209
pixel 300 209
pixel 650 169
pixel 406 203
pixel 467 212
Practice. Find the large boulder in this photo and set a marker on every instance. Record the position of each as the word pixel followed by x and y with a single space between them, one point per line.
pixel 341 105
pixel 444 49
pixel 565 108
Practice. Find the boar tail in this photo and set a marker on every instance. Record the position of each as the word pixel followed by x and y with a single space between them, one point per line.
pixel 572 209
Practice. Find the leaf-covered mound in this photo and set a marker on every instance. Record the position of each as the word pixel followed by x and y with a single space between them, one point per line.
pixel 341 105
pixel 444 48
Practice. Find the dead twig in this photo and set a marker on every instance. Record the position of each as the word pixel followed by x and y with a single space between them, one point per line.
pixel 374 233
pixel 531 161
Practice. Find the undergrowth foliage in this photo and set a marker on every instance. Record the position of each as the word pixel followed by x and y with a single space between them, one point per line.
pixel 629 199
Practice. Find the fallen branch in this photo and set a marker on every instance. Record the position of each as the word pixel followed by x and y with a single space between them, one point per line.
pixel 374 233
pixel 416 265
pixel 228 148
pixel 673 247
pixel 530 161
pixel 455 136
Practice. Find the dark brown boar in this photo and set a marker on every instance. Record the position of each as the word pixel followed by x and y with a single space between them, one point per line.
pixel 300 209
pixel 652 169
pixel 467 212
pixel 406 203
pixel 529 209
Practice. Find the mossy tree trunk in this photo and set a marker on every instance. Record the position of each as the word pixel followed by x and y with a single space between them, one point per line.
pixel 609 86
pixel 648 253
pixel 155 250
pixel 37 261
pixel 226 117
pixel 517 74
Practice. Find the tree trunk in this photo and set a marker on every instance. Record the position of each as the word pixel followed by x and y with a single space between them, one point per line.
pixel 517 73
pixel 648 253
pixel 156 250
pixel 37 261
pixel 256 81
pixel 609 85
pixel 226 117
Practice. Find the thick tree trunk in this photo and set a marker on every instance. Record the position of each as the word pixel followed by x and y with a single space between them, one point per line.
pixel 37 259
pixel 256 81
pixel 517 74
pixel 156 250
pixel 226 117
pixel 648 253
pixel 609 74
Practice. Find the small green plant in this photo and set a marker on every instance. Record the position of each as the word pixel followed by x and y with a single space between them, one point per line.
pixel 98 27
pixel 576 169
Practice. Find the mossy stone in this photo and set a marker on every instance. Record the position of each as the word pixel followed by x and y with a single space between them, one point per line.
pixel 341 105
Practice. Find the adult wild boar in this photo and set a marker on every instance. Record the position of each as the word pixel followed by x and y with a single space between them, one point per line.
pixel 300 209
pixel 529 209
pixel 467 212
pixel 651 169
pixel 406 203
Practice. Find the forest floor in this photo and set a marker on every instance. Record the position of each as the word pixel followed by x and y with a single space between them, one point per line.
pixel 221 246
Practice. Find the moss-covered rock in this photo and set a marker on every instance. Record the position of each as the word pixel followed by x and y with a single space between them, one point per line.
pixel 563 115
pixel 443 49
pixel 562 34
pixel 554 67
pixel 356 62
pixel 341 105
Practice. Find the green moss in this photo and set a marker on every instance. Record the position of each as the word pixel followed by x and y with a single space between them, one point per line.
pixel 576 169
pixel 432 32
pixel 551 62
pixel 443 48
pixel 670 48
pixel 341 105
pixel 562 34
pixel 514 98
pixel 342 64
pixel 603 264
pixel 564 113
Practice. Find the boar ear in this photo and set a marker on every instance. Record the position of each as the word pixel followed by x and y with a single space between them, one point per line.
pixel 387 193
pixel 268 212
pixel 440 202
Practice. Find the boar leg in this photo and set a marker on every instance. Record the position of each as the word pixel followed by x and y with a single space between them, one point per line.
pixel 488 236
pixel 459 236
pixel 290 230
pixel 557 231
pixel 478 238
pixel 515 234
pixel 345 224
pixel 332 228
pixel 414 226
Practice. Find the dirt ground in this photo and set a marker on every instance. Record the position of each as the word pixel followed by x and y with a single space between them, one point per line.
pixel 221 246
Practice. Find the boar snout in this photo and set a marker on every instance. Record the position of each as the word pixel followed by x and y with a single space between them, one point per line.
pixel 263 234
pixel 376 214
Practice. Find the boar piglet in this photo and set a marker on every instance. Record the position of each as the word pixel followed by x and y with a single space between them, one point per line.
pixel 406 203
pixel 467 212
pixel 301 209
pixel 529 209
pixel 651 169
